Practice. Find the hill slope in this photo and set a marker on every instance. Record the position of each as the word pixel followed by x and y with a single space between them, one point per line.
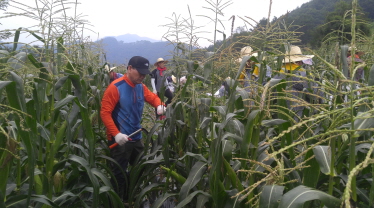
pixel 313 14
pixel 118 52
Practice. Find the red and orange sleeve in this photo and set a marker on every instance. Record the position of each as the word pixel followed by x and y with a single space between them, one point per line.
pixel 108 103
pixel 151 97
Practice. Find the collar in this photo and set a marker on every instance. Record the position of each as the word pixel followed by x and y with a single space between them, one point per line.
pixel 127 80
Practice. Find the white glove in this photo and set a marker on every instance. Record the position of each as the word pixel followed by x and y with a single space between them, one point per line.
pixel 161 109
pixel 183 80
pixel 155 91
pixel 121 139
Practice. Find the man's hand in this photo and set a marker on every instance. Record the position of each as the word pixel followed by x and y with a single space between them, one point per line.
pixel 155 91
pixel 121 139
pixel 161 109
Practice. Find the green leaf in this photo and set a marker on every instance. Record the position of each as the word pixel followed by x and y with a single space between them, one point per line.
pixel 364 123
pixel 188 199
pixel 311 173
pixel 221 110
pixel 236 127
pixel 145 190
pixel 160 200
pixel 371 76
pixel 193 178
pixel 301 194
pixel 37 37
pixel 17 61
pixel 4 55
pixel 235 181
pixel 64 101
pixel 270 196
pixel 229 135
pixel 196 156
pixel 4 84
pixel 273 122
pixel 16 38
pixel 323 157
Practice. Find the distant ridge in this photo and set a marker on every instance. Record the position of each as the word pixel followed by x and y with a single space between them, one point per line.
pixel 119 52
pixel 130 38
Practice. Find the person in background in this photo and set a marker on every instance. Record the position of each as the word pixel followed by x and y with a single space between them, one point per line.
pixel 292 63
pixel 159 80
pixel 112 74
pixel 360 71
pixel 251 70
pixel 121 112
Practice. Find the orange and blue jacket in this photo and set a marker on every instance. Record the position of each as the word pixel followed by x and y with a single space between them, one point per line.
pixel 122 107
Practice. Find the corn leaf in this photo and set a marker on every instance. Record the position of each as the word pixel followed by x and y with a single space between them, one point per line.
pixel 16 38
pixel 160 200
pixel 193 178
pixel 301 194
pixel 270 196
pixel 189 198
pixel 323 157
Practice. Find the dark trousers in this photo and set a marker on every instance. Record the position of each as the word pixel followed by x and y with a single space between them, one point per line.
pixel 123 155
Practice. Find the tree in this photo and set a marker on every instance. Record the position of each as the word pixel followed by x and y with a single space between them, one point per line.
pixel 337 25
pixel 3 6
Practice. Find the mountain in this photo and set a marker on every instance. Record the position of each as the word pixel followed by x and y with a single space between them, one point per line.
pixel 119 52
pixel 315 13
pixel 130 38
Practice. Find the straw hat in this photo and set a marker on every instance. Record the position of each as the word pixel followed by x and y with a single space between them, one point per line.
pixel 160 60
pixel 253 54
pixel 357 51
pixel 174 78
pixel 246 51
pixel 106 68
pixel 295 54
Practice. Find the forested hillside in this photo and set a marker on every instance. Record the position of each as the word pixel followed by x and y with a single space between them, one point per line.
pixel 317 21
pixel 312 15
pixel 118 52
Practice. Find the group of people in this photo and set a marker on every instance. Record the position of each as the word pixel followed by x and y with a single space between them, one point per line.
pixel 123 100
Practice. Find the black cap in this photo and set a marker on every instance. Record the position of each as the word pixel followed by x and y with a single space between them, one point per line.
pixel 140 63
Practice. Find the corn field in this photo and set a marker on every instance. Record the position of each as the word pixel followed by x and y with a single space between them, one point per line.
pixel 245 149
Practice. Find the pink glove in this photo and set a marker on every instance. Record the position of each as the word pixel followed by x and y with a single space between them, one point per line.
pixel 121 139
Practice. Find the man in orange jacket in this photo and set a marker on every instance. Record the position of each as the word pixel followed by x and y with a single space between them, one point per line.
pixel 121 112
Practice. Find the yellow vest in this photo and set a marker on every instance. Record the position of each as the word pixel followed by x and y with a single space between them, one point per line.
pixel 291 67
pixel 255 72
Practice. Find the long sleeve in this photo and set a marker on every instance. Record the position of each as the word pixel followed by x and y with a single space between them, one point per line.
pixel 108 103
pixel 151 98
pixel 153 84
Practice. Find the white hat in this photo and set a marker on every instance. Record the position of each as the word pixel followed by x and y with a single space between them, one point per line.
pixel 246 51
pixel 295 54
pixel 106 68
pixel 160 60
pixel 111 69
pixel 174 78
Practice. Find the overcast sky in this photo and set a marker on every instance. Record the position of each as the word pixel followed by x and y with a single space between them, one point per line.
pixel 145 17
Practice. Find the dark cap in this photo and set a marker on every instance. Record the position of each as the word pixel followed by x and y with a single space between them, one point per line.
pixel 141 64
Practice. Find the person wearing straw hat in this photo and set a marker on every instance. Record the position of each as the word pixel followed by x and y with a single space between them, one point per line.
pixel 251 70
pixel 112 74
pixel 159 80
pixel 292 63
